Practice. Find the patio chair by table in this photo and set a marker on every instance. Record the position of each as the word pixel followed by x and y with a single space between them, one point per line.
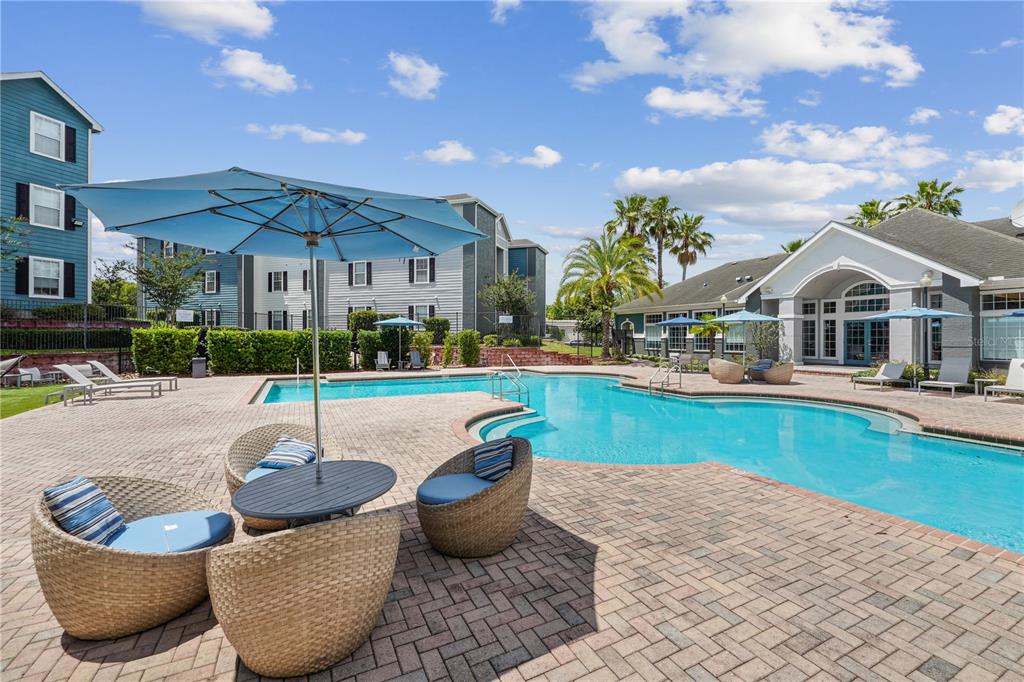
pixel 890 373
pixel 757 369
pixel 100 592
pixel 299 601
pixel 1014 380
pixel 780 374
pixel 172 382
pixel 155 388
pixel 953 374
pixel 415 360
pixel 725 371
pixel 383 362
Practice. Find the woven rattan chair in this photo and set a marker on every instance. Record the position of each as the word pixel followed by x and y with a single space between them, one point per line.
pixel 725 372
pixel 298 601
pixel 250 448
pixel 487 522
pixel 97 592
pixel 780 374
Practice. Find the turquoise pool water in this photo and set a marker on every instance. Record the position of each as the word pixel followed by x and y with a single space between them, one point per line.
pixel 970 489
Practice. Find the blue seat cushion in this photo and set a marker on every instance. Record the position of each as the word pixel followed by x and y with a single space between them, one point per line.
pixel 450 488
pixel 257 472
pixel 178 532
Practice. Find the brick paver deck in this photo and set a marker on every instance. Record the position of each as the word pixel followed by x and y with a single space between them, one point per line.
pixel 680 572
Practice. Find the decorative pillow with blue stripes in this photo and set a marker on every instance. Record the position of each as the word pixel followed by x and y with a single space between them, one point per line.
pixel 288 452
pixel 491 461
pixel 83 510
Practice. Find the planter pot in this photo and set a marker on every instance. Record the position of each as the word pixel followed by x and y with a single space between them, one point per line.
pixel 725 372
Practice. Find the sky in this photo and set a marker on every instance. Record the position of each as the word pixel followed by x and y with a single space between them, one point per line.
pixel 769 119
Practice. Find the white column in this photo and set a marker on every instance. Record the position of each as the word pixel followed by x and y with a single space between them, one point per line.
pixel 791 329
pixel 902 334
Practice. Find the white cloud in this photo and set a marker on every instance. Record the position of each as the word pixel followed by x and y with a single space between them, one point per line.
pixel 570 232
pixel 413 76
pixel 253 72
pixel 874 146
pixel 1005 120
pixel 740 238
pixel 208 21
pixel 922 115
pixel 705 103
pixel 502 7
pixel 1006 44
pixel 307 135
pixel 109 246
pixel 542 157
pixel 995 174
pixel 810 98
pixel 446 152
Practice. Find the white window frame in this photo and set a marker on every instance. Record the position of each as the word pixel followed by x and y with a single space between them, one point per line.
pixel 649 320
pixel 702 344
pixel 209 317
pixel 32 189
pixel 355 273
pixel 734 346
pixel 209 252
pixel 164 244
pixel 416 312
pixel 33 115
pixel 208 286
pixel 32 260
pixel 277 281
pixel 415 271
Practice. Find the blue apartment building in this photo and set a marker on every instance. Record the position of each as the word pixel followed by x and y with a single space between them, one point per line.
pixel 45 142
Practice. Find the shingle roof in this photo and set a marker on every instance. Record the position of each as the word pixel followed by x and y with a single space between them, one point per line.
pixel 525 244
pixel 973 249
pixel 708 287
pixel 1002 225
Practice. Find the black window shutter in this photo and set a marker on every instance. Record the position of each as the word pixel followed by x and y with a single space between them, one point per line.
pixel 70 209
pixel 305 318
pixel 218 282
pixel 433 271
pixel 369 273
pixel 216 316
pixel 69 280
pixel 284 275
pixel 270 281
pixel 412 311
pixel 430 311
pixel 270 319
pixel 21 276
pixel 305 280
pixel 350 274
pixel 284 319
pixel 174 247
pixel 21 202
pixel 70 138
pixel 412 270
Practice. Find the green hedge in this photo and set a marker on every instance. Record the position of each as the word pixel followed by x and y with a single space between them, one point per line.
pixel 438 327
pixel 422 341
pixel 369 343
pixel 235 351
pixel 448 353
pixel 164 350
pixel 12 339
pixel 69 311
pixel 469 347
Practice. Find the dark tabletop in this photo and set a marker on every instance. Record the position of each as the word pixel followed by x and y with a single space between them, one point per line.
pixel 294 493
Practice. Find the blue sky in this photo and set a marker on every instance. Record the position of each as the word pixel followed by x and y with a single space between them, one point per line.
pixel 769 119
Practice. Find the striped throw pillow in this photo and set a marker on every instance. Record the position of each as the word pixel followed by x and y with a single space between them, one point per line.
pixel 83 510
pixel 491 461
pixel 288 452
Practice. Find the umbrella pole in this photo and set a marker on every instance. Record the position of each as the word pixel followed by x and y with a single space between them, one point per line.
pixel 316 357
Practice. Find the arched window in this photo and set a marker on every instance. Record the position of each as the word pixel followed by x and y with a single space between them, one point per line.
pixel 866 289
pixel 866 297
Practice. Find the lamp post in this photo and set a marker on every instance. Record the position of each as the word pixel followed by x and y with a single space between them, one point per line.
pixel 925 282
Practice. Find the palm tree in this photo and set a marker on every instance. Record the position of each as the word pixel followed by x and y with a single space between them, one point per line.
pixel 872 212
pixel 792 245
pixel 604 272
pixel 709 329
pixel 629 215
pixel 657 222
pixel 933 197
pixel 687 239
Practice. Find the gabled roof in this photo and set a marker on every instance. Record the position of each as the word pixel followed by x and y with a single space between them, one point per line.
pixel 526 244
pixel 23 75
pixel 707 288
pixel 1003 226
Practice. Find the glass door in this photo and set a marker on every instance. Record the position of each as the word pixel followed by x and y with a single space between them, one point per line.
pixel 878 342
pixel 856 342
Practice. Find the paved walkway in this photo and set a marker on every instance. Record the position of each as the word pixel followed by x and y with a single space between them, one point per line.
pixel 682 572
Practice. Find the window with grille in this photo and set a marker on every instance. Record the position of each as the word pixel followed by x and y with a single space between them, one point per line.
pixel 808 341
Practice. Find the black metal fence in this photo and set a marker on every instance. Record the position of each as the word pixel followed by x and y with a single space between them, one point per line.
pixel 34 327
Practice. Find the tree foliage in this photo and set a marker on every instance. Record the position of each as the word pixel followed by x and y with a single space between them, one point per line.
pixel 509 295
pixel 871 212
pixel 629 215
pixel 168 281
pixel 13 234
pixel 110 287
pixel 658 220
pixel 932 196
pixel 792 245
pixel 688 239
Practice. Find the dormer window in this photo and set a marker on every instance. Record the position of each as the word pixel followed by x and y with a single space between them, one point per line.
pixel 46 137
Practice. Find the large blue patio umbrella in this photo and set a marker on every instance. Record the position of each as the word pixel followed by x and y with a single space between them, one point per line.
pixel 240 211
pixel 742 317
pixel 915 313
pixel 401 323
pixel 681 321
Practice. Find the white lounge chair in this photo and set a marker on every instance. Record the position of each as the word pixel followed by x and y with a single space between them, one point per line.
pixel 172 382
pixel 889 373
pixel 415 360
pixel 383 362
pixel 953 374
pixel 9 369
pixel 1014 380
pixel 155 388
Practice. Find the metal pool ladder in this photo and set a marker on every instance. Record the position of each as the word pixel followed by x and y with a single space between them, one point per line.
pixel 517 387
pixel 663 377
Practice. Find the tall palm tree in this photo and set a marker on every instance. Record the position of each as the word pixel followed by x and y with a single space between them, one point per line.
pixel 629 215
pixel 792 245
pixel 604 272
pixel 934 197
pixel 872 212
pixel 657 222
pixel 688 240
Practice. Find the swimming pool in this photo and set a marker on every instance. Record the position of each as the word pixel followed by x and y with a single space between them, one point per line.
pixel 856 455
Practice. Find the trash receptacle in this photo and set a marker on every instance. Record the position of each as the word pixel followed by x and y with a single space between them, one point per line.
pixel 198 368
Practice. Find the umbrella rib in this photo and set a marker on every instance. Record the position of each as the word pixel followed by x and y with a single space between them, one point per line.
pixel 268 219
pixel 190 213
pixel 350 211
pixel 254 232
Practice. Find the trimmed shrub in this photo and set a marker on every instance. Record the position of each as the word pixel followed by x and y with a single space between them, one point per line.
pixel 362 320
pixel 69 311
pixel 369 344
pixel 532 341
pixel 511 342
pixel 164 350
pixel 469 347
pixel 448 352
pixel 422 341
pixel 231 351
pixel 235 351
pixel 389 342
pixel 335 349
pixel 438 327
pixel 490 340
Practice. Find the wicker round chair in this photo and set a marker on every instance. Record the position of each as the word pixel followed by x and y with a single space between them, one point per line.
pixel 779 374
pixel 725 372
pixel 487 522
pixel 251 447
pixel 97 592
pixel 298 601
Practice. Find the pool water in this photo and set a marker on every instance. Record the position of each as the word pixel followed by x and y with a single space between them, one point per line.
pixel 965 488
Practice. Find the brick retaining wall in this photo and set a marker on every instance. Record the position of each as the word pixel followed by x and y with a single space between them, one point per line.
pixel 46 361
pixel 522 356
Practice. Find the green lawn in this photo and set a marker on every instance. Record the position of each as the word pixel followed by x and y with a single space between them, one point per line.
pixel 560 347
pixel 16 400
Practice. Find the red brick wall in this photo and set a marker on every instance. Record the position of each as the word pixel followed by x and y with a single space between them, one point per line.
pixel 523 357
pixel 46 361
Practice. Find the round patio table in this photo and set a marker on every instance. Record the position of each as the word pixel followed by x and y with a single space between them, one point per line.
pixel 294 494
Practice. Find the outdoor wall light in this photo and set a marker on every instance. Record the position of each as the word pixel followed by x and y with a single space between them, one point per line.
pixel 926 279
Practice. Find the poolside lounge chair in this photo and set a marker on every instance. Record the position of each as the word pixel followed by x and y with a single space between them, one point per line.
pixel 172 382
pixel 953 374
pixel 415 360
pixel 383 362
pixel 155 388
pixel 9 368
pixel 1014 380
pixel 888 373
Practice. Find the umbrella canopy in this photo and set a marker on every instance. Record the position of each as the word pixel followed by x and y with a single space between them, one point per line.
pixel 399 322
pixel 681 321
pixel 745 316
pixel 916 313
pixel 240 211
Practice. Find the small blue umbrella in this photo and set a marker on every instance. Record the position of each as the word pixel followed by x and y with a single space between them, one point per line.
pixel 404 323
pixel 681 321
pixel 915 313
pixel 745 316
